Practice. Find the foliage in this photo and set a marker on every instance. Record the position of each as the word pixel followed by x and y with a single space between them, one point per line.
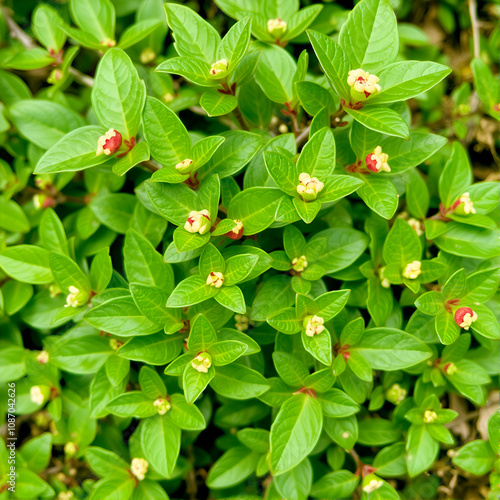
pixel 246 253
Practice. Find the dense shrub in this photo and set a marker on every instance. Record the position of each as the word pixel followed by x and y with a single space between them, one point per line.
pixel 250 252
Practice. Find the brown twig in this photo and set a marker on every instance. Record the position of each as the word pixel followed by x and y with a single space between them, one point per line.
pixel 237 114
pixel 28 43
pixel 150 166
pixel 301 139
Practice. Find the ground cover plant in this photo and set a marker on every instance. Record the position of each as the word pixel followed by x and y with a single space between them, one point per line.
pixel 249 250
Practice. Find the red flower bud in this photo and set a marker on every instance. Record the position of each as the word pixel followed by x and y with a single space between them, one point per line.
pixel 371 164
pixel 237 232
pixel 109 143
pixel 464 317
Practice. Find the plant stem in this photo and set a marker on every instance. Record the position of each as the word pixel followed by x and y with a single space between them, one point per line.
pixel 237 114
pixel 475 27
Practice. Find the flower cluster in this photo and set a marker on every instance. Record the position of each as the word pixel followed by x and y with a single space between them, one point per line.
pixel 215 279
pixel 309 187
pixel 413 270
pixel 198 222
pixel 139 468
pixel 314 325
pixel 362 84
pixel 202 362
pixel 377 161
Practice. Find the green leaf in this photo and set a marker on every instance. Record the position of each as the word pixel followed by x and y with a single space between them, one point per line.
pixel 143 264
pixel 161 443
pixel 132 404
pixel 390 349
pixel 333 60
pixel 275 73
pixel 468 241
pixel 121 316
pixel 151 302
pixel 195 382
pixel 190 291
pixel 217 104
pixel 67 273
pixel 13 364
pixel 226 351
pixel 96 17
pixel 151 383
pixel 75 151
pixel 202 334
pixel 336 248
pixel 235 152
pixel 406 79
pixel 185 241
pixel 101 461
pixel 338 484
pixel 114 210
pixel 238 382
pixel 380 194
pixel 307 210
pixel 286 321
pixel 486 85
pixel 296 483
pixel 193 70
pixel 137 32
pixel 319 346
pixel 44 123
pixel 377 432
pixel 456 176
pixel 46 23
pixel 30 59
pixel 402 245
pixel 383 120
pixel 193 36
pixel 255 208
pixel 138 154
pixel 167 137
pixel 157 349
pixel 318 155
pixel 13 217
pixel 118 94
pixel 475 457
pixel 234 45
pixel 417 195
pixel 81 350
pixel 369 37
pixel 295 432
pixel 404 154
pixel 184 415
pixel 430 303
pixel 290 369
pixel 421 448
pixel 481 285
pixel 232 298
pixel 313 97
pixel 232 468
pixel 238 268
pixel 27 263
pixel 337 404
pixel 174 202
pixel 446 328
